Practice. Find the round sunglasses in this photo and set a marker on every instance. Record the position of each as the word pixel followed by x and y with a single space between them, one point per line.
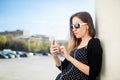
pixel 77 25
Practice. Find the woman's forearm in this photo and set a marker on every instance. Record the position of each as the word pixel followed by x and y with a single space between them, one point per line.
pixel 57 61
pixel 82 67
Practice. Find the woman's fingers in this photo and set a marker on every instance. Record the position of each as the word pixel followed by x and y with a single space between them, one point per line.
pixel 54 49
pixel 62 48
pixel 53 42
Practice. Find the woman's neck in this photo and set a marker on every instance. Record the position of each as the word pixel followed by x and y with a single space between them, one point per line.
pixel 84 41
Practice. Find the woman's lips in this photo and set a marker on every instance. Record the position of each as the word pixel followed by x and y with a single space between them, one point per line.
pixel 75 33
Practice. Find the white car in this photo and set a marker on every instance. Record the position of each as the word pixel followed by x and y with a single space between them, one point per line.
pixel 8 52
pixel 30 54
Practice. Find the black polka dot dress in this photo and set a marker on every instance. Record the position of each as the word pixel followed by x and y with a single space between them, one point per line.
pixel 69 71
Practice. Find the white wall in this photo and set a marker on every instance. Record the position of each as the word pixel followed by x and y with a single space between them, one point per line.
pixel 108 25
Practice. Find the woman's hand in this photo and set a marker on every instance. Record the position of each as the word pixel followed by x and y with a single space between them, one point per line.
pixel 64 52
pixel 54 49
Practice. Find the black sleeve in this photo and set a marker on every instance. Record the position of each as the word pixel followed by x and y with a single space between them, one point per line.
pixel 94 58
pixel 64 64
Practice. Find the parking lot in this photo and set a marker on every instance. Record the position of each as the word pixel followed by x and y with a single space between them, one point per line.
pixel 30 68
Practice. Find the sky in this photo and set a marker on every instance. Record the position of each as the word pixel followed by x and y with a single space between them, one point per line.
pixel 44 17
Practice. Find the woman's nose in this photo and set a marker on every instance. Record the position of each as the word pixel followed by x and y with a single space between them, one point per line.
pixel 73 29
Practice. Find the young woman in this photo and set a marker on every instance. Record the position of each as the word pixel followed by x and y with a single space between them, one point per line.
pixel 84 58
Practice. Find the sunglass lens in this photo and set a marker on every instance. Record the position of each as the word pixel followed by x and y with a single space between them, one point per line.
pixel 77 26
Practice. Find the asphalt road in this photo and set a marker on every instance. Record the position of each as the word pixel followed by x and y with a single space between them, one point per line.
pixel 31 68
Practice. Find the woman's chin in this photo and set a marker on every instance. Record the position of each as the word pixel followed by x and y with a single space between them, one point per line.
pixel 77 37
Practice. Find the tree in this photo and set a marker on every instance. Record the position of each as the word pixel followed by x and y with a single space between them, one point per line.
pixel 19 44
pixel 44 46
pixel 3 41
pixel 9 42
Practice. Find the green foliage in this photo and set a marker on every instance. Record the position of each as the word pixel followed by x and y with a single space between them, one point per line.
pixel 9 42
pixel 32 46
pixel 19 44
pixel 44 46
pixel 3 39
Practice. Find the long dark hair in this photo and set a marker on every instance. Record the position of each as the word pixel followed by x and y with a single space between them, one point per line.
pixel 85 17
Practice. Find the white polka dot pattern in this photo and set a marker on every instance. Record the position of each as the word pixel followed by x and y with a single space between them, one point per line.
pixel 73 73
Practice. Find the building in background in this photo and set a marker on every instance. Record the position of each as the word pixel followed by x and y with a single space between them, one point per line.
pixel 28 42
pixel 16 33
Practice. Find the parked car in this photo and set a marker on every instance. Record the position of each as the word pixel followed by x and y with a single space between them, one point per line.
pixel 2 56
pixel 8 52
pixel 34 53
pixel 16 55
pixel 30 54
pixel 46 54
pixel 23 54
pixel 10 55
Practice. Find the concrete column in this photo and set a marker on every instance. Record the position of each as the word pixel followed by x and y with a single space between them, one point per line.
pixel 108 27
